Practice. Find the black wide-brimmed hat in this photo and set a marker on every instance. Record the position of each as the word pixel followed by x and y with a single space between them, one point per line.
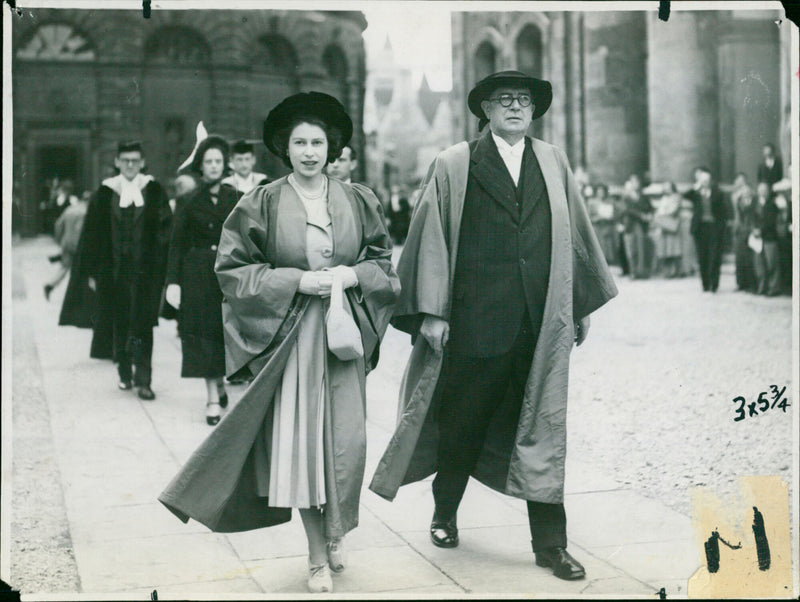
pixel 307 104
pixel 541 91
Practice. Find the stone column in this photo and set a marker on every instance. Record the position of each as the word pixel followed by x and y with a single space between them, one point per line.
pixel 682 94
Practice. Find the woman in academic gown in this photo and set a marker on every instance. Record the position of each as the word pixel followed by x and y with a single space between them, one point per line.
pixel 297 437
pixel 191 283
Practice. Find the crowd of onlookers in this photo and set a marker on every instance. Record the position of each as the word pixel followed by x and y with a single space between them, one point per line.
pixel 670 231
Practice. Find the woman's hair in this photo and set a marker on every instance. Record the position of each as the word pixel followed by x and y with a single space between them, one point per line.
pixel 333 135
pixel 207 144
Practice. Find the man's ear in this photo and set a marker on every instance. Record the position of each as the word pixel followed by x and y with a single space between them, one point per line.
pixel 144 164
pixel 354 164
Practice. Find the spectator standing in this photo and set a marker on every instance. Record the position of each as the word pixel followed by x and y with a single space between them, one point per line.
pixel 601 213
pixel 708 227
pixel 67 234
pixel 770 170
pixel 742 203
pixel 636 221
pixel 242 162
pixel 764 242
pixel 667 223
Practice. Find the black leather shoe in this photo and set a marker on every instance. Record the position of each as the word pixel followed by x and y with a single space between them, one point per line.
pixel 145 393
pixel 444 533
pixel 125 385
pixel 564 566
pixel 223 400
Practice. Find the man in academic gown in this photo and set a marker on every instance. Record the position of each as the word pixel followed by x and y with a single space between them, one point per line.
pixel 499 274
pixel 118 273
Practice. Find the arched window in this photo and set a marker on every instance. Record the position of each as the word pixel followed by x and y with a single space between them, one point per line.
pixel 485 60
pixel 529 51
pixel 335 62
pixel 274 53
pixel 177 45
pixel 56 42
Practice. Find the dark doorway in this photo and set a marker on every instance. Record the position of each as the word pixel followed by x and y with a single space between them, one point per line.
pixel 55 164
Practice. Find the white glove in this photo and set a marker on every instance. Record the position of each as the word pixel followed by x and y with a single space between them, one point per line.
pixel 347 275
pixel 173 295
pixel 92 284
pixel 316 283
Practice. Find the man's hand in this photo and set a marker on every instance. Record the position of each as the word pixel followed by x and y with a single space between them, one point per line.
pixel 92 284
pixel 581 330
pixel 436 331
pixel 173 295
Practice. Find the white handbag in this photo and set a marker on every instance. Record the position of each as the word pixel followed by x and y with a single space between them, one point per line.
pixel 344 337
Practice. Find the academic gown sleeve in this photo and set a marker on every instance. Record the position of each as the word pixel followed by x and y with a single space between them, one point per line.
pixel 256 295
pixel 378 284
pixel 592 282
pixel 423 267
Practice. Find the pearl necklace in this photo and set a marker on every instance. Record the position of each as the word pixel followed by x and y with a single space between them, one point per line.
pixel 311 195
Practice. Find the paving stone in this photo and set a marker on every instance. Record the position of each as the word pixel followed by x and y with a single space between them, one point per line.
pixel 654 562
pixel 107 566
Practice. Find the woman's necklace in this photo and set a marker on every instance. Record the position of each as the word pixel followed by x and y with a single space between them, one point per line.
pixel 311 195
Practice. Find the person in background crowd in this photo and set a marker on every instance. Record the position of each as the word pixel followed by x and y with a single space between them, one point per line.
pixel 183 186
pixel 784 206
pixel 708 227
pixel 121 259
pixel 61 197
pixel 742 203
pixel 67 234
pixel 344 166
pixel 242 162
pixel 601 212
pixel 399 219
pixel 297 437
pixel 636 220
pixel 688 251
pixel 666 222
pixel 494 215
pixel 765 245
pixel 770 170
pixel 192 286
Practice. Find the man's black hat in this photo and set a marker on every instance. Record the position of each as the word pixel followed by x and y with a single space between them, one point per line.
pixel 541 91
pixel 306 104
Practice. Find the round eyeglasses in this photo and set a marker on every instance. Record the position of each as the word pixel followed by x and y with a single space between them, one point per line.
pixel 506 100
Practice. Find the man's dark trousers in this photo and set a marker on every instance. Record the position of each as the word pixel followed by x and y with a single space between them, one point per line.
pixel 473 389
pixel 131 348
pixel 709 240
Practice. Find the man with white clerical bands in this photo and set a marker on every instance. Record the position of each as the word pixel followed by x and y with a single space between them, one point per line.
pixel 118 272
pixel 242 162
pixel 499 274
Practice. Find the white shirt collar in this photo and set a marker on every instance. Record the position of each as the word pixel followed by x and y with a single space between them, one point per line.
pixel 129 191
pixel 505 147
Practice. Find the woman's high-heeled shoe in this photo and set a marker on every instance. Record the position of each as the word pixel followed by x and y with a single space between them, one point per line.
pixel 319 578
pixel 212 417
pixel 223 400
pixel 336 556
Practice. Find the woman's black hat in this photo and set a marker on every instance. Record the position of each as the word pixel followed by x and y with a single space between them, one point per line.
pixel 541 91
pixel 310 104
pixel 212 141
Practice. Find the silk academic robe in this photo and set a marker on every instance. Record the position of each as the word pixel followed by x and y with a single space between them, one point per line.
pixel 532 467
pixel 260 262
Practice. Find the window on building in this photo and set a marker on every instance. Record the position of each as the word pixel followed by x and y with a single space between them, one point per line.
pixel 274 53
pixel 485 60
pixel 335 62
pixel 56 42
pixel 177 45
pixel 529 51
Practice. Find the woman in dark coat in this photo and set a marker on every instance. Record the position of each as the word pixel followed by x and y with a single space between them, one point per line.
pixel 297 437
pixel 191 283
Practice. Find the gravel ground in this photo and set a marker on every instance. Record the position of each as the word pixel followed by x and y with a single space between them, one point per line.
pixel 41 552
pixel 651 391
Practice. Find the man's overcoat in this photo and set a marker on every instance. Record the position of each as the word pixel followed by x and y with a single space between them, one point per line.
pixel 97 257
pixel 532 466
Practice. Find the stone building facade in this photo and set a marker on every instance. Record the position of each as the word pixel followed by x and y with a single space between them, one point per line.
pixel 633 94
pixel 84 79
